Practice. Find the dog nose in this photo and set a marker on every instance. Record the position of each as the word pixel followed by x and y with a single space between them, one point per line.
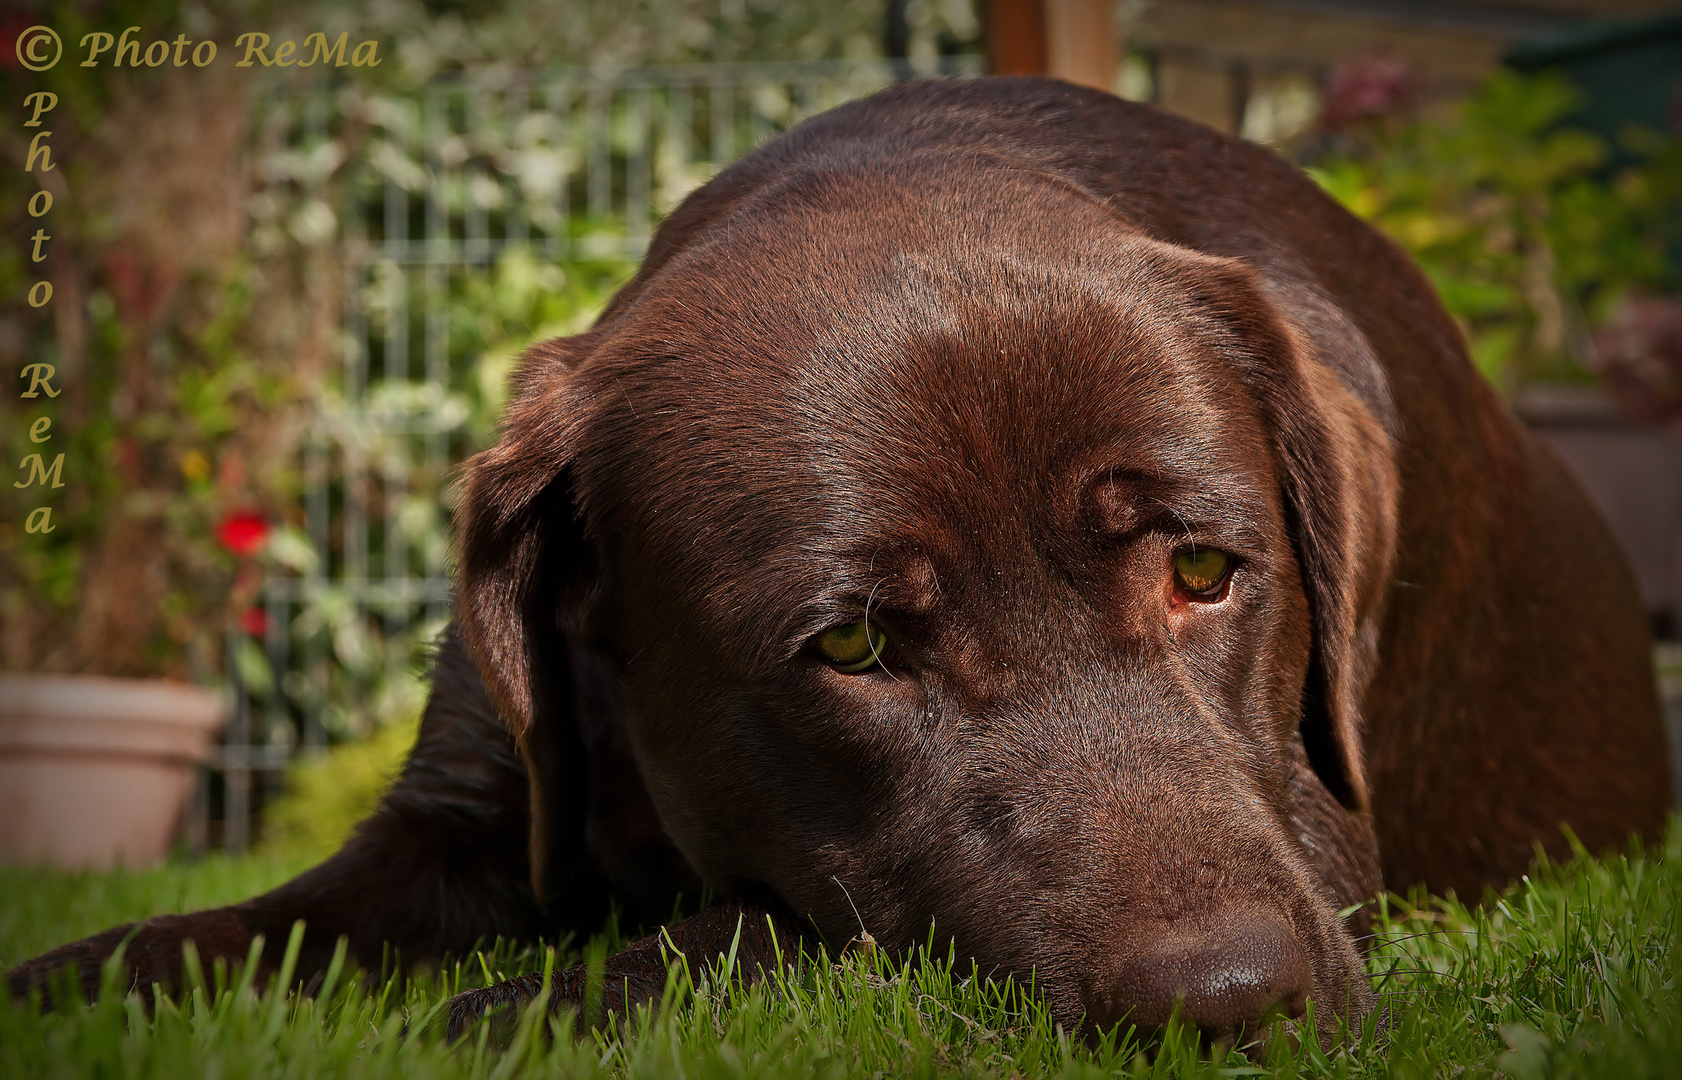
pixel 1227 978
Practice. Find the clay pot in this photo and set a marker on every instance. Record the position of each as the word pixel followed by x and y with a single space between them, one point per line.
pixel 95 771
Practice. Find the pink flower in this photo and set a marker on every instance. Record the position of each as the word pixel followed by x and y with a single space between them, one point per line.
pixel 1639 351
pixel 1373 84
pixel 244 533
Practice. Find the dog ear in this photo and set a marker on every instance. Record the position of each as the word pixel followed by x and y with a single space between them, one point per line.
pixel 1335 458
pixel 527 573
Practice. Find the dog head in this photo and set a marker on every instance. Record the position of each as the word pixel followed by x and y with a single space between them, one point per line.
pixel 946 542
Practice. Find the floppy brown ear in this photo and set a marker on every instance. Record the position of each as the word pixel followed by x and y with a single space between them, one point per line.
pixel 525 572
pixel 1337 472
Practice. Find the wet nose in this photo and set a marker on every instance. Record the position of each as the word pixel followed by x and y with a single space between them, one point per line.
pixel 1227 975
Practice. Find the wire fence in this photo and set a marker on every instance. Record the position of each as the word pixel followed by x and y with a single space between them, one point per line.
pixel 466 221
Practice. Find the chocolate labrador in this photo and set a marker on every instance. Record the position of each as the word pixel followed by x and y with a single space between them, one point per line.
pixel 1003 508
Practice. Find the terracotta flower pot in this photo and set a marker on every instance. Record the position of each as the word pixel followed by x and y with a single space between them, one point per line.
pixel 95 771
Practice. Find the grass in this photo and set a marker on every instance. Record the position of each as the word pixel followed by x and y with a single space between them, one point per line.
pixel 1572 972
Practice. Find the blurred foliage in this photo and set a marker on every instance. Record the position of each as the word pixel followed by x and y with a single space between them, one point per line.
pixel 179 389
pixel 195 320
pixel 464 35
pixel 328 793
pixel 523 300
pixel 1529 240
pixel 376 673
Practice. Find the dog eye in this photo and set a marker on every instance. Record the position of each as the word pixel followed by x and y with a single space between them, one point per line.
pixel 1201 572
pixel 854 647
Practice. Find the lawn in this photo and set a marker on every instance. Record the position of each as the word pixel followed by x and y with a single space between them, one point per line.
pixel 1572 972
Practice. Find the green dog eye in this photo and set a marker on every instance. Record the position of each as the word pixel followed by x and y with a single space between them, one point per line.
pixel 854 647
pixel 1201 572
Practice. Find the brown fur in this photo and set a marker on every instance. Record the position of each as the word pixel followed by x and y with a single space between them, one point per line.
pixel 978 359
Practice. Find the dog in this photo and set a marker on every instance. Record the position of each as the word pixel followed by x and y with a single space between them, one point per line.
pixel 997 507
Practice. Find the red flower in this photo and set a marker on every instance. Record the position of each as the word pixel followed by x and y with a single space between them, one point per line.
pixel 243 534
pixel 254 621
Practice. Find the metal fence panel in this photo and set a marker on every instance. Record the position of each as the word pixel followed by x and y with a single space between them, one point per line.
pixel 449 193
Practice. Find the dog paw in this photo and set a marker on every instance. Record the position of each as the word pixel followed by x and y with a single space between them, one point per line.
pixel 499 1002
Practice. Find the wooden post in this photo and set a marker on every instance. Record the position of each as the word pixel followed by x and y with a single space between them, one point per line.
pixel 1080 42
pixel 1016 37
pixel 1073 40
